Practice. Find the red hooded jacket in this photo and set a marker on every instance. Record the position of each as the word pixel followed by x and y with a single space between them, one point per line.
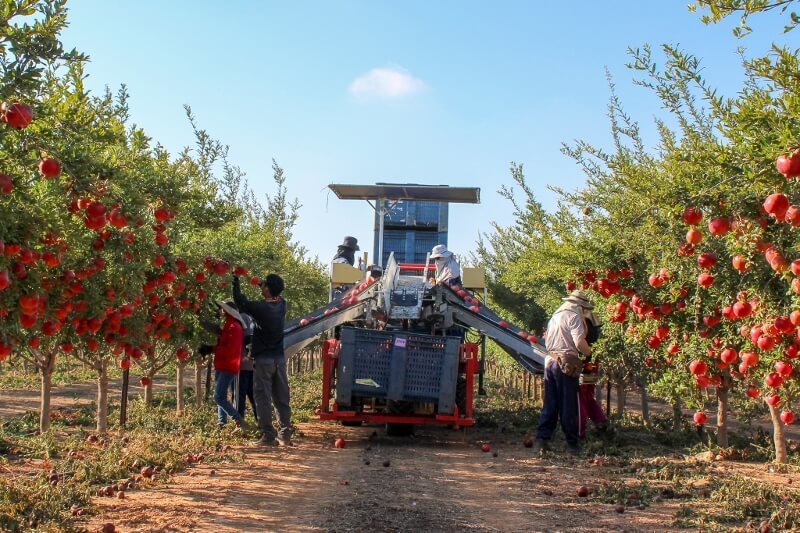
pixel 228 351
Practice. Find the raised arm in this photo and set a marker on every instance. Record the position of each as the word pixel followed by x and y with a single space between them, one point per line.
pixel 241 301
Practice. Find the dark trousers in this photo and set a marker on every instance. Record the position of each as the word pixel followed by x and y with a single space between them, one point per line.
pixel 271 388
pixel 560 399
pixel 246 392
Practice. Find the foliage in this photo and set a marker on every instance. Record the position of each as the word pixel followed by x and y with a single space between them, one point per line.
pixel 720 9
pixel 626 235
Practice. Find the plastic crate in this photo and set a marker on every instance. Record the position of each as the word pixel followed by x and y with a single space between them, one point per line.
pixel 426 213
pixel 396 212
pixel 424 241
pixel 399 366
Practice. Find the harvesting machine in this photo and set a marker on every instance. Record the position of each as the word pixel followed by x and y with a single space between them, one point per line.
pixel 399 350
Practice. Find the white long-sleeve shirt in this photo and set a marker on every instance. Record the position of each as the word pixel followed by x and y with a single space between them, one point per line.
pixel 447 268
pixel 565 330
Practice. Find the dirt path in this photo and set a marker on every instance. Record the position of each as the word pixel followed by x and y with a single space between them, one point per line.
pixel 439 480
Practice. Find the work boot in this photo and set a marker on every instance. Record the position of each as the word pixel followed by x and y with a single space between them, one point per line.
pixel 265 441
pixel 242 425
pixel 573 449
pixel 539 446
pixel 284 441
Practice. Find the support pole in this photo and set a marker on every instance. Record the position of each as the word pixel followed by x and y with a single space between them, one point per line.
pixel 123 404
pixel 381 214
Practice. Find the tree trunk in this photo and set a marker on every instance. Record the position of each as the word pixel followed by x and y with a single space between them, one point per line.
pixel 179 388
pixel 198 383
pixel 47 383
pixel 148 392
pixel 722 416
pixel 620 397
pixel 645 405
pixel 102 396
pixel 677 416
pixel 208 378
pixel 778 436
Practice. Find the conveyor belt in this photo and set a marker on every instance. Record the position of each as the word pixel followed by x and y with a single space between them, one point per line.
pixel 529 355
pixel 297 335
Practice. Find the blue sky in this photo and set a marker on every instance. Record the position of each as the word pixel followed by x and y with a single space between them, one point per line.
pixel 445 92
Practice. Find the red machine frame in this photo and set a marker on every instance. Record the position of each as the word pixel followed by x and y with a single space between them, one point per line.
pixel 467 366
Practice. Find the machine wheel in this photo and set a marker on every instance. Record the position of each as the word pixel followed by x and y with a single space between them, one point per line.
pixel 352 423
pixel 400 408
pixel 461 395
pixel 399 430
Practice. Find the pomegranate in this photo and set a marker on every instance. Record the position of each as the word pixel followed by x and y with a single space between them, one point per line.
pixel 787 417
pixel 739 263
pixel 692 216
pixel 776 205
pixel 698 367
pixel 18 115
pixel 694 237
pixel 485 448
pixel 719 226
pixel 773 380
pixel 700 418
pixel 773 399
pixel 706 260
pixel 6 184
pixel 49 168
pixel 705 280
pixel 339 443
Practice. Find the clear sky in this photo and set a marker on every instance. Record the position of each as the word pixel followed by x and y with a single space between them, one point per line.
pixel 434 92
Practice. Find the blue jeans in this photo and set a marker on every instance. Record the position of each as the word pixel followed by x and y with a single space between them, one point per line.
pixel 560 398
pixel 245 392
pixel 225 409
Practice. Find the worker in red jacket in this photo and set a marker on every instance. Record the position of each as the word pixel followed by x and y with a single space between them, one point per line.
pixel 227 358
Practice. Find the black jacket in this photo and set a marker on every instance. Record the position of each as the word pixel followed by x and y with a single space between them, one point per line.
pixel 269 318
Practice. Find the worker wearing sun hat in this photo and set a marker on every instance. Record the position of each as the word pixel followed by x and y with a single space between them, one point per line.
pixel 227 360
pixel 565 342
pixel 448 270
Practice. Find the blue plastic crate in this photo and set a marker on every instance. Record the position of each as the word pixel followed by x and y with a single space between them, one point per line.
pixel 398 366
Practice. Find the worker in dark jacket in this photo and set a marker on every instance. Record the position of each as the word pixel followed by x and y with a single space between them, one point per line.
pixel 270 378
pixel 346 252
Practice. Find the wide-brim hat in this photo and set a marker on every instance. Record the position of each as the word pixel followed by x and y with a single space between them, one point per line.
pixel 351 242
pixel 230 308
pixel 440 250
pixel 580 298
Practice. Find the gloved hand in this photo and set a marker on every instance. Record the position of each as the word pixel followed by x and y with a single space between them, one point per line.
pixel 205 349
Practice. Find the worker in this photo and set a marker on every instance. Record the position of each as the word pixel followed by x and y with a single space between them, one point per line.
pixel 588 408
pixel 346 253
pixel 448 270
pixel 565 341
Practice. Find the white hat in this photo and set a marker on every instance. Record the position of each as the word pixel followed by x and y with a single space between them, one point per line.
pixel 440 250
pixel 229 307
pixel 578 297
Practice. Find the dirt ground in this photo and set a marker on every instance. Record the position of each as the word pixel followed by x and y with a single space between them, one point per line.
pixel 438 480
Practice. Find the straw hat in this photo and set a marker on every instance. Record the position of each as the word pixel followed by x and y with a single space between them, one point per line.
pixel 230 308
pixel 440 250
pixel 578 297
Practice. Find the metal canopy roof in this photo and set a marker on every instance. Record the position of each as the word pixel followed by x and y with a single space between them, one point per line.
pixel 399 191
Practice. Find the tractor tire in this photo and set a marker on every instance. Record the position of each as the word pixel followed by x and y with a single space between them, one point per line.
pixel 400 408
pixel 461 395
pixel 399 430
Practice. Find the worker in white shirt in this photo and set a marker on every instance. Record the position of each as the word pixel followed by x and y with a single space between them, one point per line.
pixel 448 270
